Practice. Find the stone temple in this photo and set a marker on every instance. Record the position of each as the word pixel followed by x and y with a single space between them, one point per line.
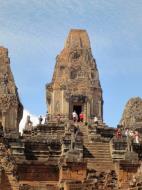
pixel 58 153
pixel 75 84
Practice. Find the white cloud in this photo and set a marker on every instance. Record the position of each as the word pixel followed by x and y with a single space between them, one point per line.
pixel 34 119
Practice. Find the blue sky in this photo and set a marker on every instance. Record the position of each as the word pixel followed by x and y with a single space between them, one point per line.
pixel 35 31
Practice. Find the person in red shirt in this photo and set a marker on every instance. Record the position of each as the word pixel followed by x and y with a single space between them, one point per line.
pixel 81 117
pixel 118 133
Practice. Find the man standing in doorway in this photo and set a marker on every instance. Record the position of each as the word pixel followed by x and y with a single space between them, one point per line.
pixel 74 115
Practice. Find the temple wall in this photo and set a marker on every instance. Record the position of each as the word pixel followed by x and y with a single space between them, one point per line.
pixel 38 173
pixel 73 173
pixel 4 182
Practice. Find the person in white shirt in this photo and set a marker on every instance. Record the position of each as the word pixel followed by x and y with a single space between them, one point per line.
pixel 74 115
pixel 95 120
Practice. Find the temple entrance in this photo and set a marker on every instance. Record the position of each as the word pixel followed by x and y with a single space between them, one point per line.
pixel 77 109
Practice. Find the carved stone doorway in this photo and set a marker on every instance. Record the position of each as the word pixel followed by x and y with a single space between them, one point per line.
pixel 78 109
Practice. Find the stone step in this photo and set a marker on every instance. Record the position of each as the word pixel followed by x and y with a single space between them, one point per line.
pixel 102 164
pixel 96 153
pixel 99 160
pixel 97 157
pixel 99 144
pixel 99 148
pixel 100 168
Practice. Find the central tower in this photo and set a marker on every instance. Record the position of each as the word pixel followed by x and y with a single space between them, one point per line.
pixel 75 84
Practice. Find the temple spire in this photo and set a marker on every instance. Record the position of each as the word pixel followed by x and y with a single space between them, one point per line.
pixel 11 109
pixel 75 83
pixel 77 39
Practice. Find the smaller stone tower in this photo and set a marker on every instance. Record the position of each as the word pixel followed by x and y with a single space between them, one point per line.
pixel 75 84
pixel 132 114
pixel 11 109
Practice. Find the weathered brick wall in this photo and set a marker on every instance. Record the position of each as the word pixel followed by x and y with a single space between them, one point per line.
pixel 73 174
pixel 4 182
pixel 38 173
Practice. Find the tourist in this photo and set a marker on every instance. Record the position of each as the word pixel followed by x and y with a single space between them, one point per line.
pixel 75 116
pixel 40 120
pixel 130 138
pixel 131 134
pixel 81 117
pixel 95 120
pixel 118 133
pixel 136 137
pixel 126 132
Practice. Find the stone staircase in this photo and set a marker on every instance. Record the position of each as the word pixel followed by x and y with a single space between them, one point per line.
pixel 97 153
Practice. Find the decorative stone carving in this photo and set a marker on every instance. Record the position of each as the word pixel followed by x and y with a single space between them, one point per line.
pixel 73 74
pixel 7 101
pixel 6 160
pixel 75 55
